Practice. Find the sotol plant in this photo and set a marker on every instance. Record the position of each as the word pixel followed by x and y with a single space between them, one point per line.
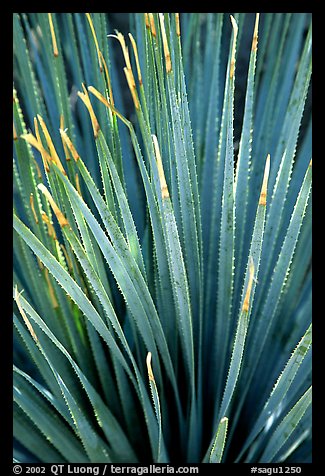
pixel 162 243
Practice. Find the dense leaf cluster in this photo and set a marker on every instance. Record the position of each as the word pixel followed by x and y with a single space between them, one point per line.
pixel 162 243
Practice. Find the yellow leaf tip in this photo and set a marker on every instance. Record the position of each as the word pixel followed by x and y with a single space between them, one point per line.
pixel 152 25
pixel 128 69
pixel 59 215
pixel 93 32
pixel 148 362
pixel 53 154
pixel 263 194
pixel 161 173
pixel 146 19
pixel 86 100
pixel 54 43
pixel 137 62
pixel 66 140
pixel 131 83
pixel 246 302
pixel 178 29
pixel 233 52
pixel 23 314
pixel 15 137
pixel 255 35
pixel 165 43
pixel 234 24
pixel 32 206
pixel 53 299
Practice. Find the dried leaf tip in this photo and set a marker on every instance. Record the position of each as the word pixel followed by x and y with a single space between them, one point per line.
pixel 66 140
pixel 165 43
pixel 234 24
pixel 50 227
pixel 31 201
pixel 255 35
pixel 67 258
pixel 233 52
pixel 53 299
pixel 245 307
pixel 137 62
pixel 310 163
pixel 59 215
pixel 78 184
pixel 146 20
pixel 178 29
pixel 130 79
pixel 65 148
pixel 125 50
pixel 37 144
pixel 95 40
pixel 128 69
pixel 152 24
pixel 265 181
pixel 54 43
pixel 15 137
pixel 99 96
pixel 108 79
pixel 53 153
pixel 38 170
pixel 107 104
pixel 148 362
pixel 86 100
pixel 24 316
pixel 163 183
